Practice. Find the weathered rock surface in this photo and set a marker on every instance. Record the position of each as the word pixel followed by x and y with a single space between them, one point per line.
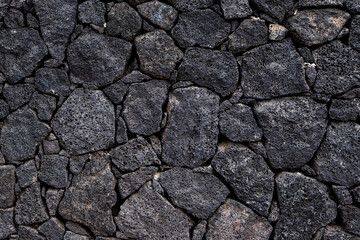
pixel 97 60
pixel 53 170
pixel 148 215
pixel 7 187
pixel 197 193
pixel 236 8
pixel 52 229
pixel 53 198
pixel 338 158
pixel 345 109
pixel 234 220
pixel 273 70
pixel 26 174
pixel 276 9
pixel 354 37
pixel 17 95
pixel 7 226
pixel 277 32
pixel 52 81
pixel 91 196
pixel 319 3
pixel 214 69
pixel 350 217
pixel 158 13
pixel 248 175
pixel 21 134
pixel 336 232
pixel 293 128
pixel 92 11
pixel 85 122
pixel 189 5
pixel 353 5
pixel 116 91
pixel 191 132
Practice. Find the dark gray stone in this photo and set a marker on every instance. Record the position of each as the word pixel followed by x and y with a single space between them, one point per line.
pixel 213 69
pixel 85 122
pixel 189 5
pixel 17 95
pixel 235 8
pixel 51 147
pixel 116 91
pixel 200 27
pixel 191 133
pixel 274 8
pixel 336 232
pixel 131 182
pixel 277 32
pixel 77 163
pixel 52 229
pixel 21 134
pixel 354 37
pixel 320 3
pixel 53 197
pixel 135 77
pixel 7 226
pixel 342 195
pixel 73 236
pixel 97 60
pixel 338 68
pixel 52 81
pixel 7 186
pixel 142 110
pixel 197 193
pixel 345 109
pixel 4 109
pixel 350 217
pixel 317 26
pixel 199 230
pixel 30 208
pixel 92 11
pixel 44 105
pixel 32 21
pixel 292 134
pixel 238 124
pixel 305 206
pixel 123 21
pixel 158 13
pixel 29 233
pixel 26 174
pixel 356 194
pixel 53 170
pixel 273 70
pixel 91 196
pixel 250 33
pixel 247 173
pixel 157 53
pixel 77 228
pixel 306 54
pixel 14 18
pixel 353 5
pixel 234 220
pixel 148 215
pixel 121 131
pixel 338 158
pixel 134 154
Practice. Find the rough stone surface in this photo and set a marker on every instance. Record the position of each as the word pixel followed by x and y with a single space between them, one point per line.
pixel 73 236
pixel 317 26
pixel 85 122
pixel 44 105
pixel 301 131
pixel 236 8
pixel 273 70
pixel 52 229
pixel 18 95
pixel 216 70
pixel 342 195
pixel 7 187
pixel 29 233
pixel 353 5
pixel 92 11
pixel 319 3
pixel 97 60
pixel 341 151
pixel 189 5
pixel 116 92
pixel 148 215
pixel 276 9
pixel 277 32
pixel 200 27
pixel 158 13
pixel 143 106
pixel 305 206
pixel 197 193
pixel 336 232
pixel 234 220
pixel 21 134
pixel 53 170
pixel 354 37
pixel 191 132
pixel 4 109
pixel 121 131
pixel 91 195
pixel 7 226
pixel 52 81
pixel 345 109
pixel 26 174
pixel 248 175
pixel 53 197
pixel 350 217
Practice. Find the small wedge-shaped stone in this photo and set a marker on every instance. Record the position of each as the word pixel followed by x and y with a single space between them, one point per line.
pixel 53 170
pixel 191 134
pixel 7 186
pixel 197 193
pixel 247 173
pixel 91 196
pixel 158 13
pixel 305 206
pixel 234 220
pixel 52 81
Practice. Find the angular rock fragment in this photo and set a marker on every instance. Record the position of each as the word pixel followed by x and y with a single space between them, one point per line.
pixel 354 37
pixel 320 3
pixel 247 173
pixel 338 68
pixel 143 106
pixel 30 208
pixel 92 11
pixel 7 226
pixel 338 158
pixel 51 147
pixel 276 9
pixel 353 5
pixel 345 109
pixel 121 131
pixel 273 70
pixel 26 174
pixel 236 8
pixel 73 236
pixel 189 5
pixel 213 69
pixel 234 220
pixel 52 229
pixel 53 170
pixel 238 124
pixel 200 27
pixel 52 81
pixel 199 230
pixel 7 186
pixel 277 32
pixel 350 217
pixel 293 128
pixel 14 18
pixel 342 195
pixel 148 215
pixel 53 197
pixel 305 206
pixel 44 105
pixel 85 122
pixel 197 193
pixel 116 91
pixel 91 196
pixel 157 53
pixel 97 60
pixel 317 26
pixel 336 232
pixel 124 21
pixel 18 95
pixel 134 154
pixel 4 109
pixel 135 77
pixel 21 134
pixel 57 22
pixel 22 49
pixel 250 33
pixel 191 133
pixel 158 13
pixel 29 233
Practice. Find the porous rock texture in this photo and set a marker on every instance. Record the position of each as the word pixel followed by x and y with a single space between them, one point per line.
pixel 180 119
